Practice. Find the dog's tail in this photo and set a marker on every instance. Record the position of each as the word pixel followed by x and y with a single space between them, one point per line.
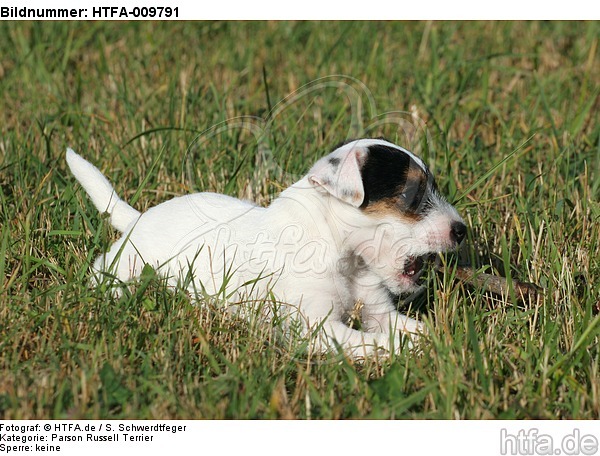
pixel 101 192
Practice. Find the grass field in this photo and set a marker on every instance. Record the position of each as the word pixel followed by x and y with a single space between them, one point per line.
pixel 157 107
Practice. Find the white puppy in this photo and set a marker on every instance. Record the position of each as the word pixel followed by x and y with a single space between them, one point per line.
pixel 357 228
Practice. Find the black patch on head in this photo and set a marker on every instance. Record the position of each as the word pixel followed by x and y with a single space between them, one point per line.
pixel 334 161
pixel 391 173
pixel 383 172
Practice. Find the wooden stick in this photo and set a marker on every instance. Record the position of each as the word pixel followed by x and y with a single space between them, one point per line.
pixel 495 284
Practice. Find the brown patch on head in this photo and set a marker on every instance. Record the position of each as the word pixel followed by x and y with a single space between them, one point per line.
pixel 390 207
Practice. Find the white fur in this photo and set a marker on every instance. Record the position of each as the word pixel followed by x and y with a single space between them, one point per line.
pixel 313 248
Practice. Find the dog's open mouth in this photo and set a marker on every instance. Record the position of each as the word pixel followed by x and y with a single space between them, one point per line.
pixel 414 266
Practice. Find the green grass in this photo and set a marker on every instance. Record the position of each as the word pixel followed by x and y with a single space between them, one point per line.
pixel 135 98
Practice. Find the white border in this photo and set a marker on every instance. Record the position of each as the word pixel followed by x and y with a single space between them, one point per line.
pixel 290 438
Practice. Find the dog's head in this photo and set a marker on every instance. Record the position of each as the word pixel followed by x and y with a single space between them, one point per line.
pixel 399 217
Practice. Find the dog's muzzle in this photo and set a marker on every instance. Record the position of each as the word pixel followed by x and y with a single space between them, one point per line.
pixel 415 265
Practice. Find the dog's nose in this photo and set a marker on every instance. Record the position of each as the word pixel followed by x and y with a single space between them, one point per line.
pixel 458 231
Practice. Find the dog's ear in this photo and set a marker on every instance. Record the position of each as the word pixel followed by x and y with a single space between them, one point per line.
pixel 339 174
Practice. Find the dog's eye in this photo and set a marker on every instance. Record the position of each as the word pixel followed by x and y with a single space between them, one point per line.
pixel 410 200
